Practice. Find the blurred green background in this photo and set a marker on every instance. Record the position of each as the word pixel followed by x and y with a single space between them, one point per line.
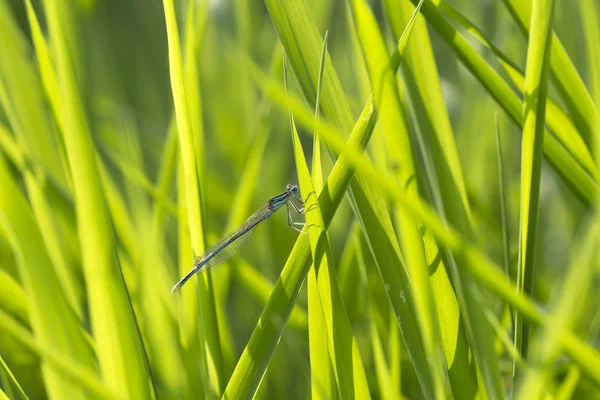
pixel 101 68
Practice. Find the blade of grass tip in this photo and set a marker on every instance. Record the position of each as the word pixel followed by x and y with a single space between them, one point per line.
pixel 12 380
pixel 72 371
pixel 343 348
pixel 546 346
pixel 209 331
pixel 536 89
pixel 120 352
pixel 323 382
pixel 564 74
pixel 400 151
pixel 573 174
pixel 482 269
pixel 60 329
pixel 560 124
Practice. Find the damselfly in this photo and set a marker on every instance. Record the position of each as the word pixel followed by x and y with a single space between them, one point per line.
pixel 226 247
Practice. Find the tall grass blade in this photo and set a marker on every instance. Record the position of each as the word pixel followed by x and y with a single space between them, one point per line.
pixel 536 89
pixel 343 347
pixel 209 330
pixel 400 152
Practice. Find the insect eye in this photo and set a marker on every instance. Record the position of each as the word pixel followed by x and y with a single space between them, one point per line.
pixel 289 187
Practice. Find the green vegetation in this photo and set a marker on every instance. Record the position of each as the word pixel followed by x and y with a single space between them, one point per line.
pixel 446 151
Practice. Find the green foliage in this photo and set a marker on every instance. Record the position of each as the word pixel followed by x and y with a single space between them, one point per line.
pixel 443 258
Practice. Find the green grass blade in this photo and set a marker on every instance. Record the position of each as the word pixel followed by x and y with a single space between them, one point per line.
pixel 449 195
pixel 503 206
pixel 343 348
pixel 564 74
pixel 400 152
pixel 482 269
pixel 324 368
pixel 12 380
pixel 13 299
pixel 560 124
pixel 73 373
pixel 254 360
pixel 261 288
pixel 590 14
pixel 536 89
pixel 564 163
pixel 547 343
pixel 299 51
pixel 60 329
pixel 119 348
pixel 209 331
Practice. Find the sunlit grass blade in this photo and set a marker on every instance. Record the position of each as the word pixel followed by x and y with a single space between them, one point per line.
pixel 13 299
pixel 562 317
pixel 590 13
pixel 564 74
pixel 377 219
pixel 119 347
pixel 253 362
pixel 323 364
pixel 448 193
pixel 59 329
pixel 571 171
pixel 343 348
pixel 73 373
pixel 482 269
pixel 209 330
pixel 536 90
pixel 400 153
pixel 261 289
pixel 503 207
pixel 11 382
pixel 556 119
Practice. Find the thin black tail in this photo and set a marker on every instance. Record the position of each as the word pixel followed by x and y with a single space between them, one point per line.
pixel 184 280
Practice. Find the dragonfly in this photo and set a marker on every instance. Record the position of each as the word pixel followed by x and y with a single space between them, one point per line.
pixel 228 246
